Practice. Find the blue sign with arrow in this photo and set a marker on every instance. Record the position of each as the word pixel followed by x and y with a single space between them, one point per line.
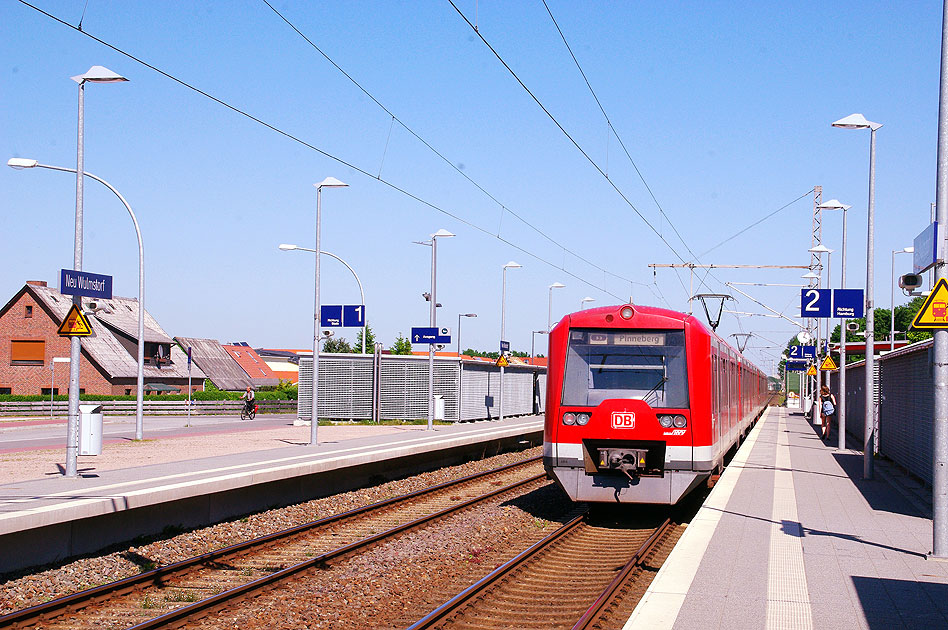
pixel 430 335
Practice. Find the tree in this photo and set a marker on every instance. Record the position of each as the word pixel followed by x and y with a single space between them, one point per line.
pixel 336 345
pixel 369 340
pixel 402 345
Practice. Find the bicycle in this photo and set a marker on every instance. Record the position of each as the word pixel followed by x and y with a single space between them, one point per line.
pixel 247 412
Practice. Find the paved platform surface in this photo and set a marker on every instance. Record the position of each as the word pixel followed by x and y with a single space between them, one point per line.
pixel 793 537
pixel 181 474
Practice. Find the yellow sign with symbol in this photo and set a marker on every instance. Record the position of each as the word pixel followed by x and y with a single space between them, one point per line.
pixel 811 371
pixel 75 325
pixel 828 364
pixel 502 361
pixel 934 312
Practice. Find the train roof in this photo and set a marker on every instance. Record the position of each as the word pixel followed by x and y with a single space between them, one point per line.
pixel 645 317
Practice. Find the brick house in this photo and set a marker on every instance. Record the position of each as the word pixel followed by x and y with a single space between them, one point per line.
pixel 109 359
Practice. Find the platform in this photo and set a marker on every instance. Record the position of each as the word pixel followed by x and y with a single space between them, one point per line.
pixel 792 537
pixel 47 520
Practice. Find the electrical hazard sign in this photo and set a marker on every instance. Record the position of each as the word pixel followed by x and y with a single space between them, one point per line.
pixel 934 312
pixel 75 325
pixel 811 371
pixel 828 364
pixel 502 361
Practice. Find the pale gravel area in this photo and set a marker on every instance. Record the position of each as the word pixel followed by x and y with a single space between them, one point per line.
pixel 473 538
pixel 42 464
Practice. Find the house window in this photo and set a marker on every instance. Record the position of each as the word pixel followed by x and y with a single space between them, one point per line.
pixel 29 311
pixel 128 392
pixel 6 390
pixel 45 391
pixel 27 352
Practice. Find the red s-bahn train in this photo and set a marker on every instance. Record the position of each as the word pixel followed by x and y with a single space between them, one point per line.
pixel 643 403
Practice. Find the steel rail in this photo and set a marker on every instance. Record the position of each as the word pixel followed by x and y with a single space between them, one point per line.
pixel 593 613
pixel 205 606
pixel 78 600
pixel 478 587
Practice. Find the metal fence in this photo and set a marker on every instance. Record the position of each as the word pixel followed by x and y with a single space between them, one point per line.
pixel 905 396
pixel 395 387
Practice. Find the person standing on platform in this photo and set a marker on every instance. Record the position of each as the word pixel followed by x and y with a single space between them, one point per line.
pixel 827 409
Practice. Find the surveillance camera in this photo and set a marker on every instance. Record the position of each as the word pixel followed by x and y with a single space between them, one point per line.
pixel 327 334
pixel 910 281
pixel 852 326
pixel 439 346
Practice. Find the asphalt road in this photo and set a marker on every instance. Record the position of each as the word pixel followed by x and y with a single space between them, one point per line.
pixel 17 435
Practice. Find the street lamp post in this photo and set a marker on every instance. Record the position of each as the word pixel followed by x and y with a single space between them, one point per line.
pixel 582 303
pixel 460 315
pixel 549 316
pixel 904 250
pixel 329 182
pixel 96 74
pixel 533 336
pixel 19 163
pixel 834 204
pixel 285 247
pixel 858 121
pixel 503 321
pixel 433 320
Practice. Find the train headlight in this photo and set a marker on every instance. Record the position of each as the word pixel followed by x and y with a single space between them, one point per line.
pixel 666 421
pixel 569 418
pixel 627 312
pixel 680 421
pixel 582 419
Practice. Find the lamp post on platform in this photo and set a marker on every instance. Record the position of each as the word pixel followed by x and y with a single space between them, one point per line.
pixel 329 182
pixel 460 315
pixel 549 316
pixel 582 303
pixel 904 250
pixel 503 322
pixel 858 121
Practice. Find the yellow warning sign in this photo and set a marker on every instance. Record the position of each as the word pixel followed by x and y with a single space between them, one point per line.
pixel 934 312
pixel 828 364
pixel 811 371
pixel 502 361
pixel 75 325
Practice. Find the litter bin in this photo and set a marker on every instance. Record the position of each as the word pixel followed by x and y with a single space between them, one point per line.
pixel 439 407
pixel 90 429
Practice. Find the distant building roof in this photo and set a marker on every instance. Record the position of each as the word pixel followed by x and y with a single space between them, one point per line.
pixel 217 364
pixel 118 319
pixel 259 372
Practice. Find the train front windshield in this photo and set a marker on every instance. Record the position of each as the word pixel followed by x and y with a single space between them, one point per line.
pixel 604 364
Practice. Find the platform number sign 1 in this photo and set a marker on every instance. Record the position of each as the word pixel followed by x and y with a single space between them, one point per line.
pixel 816 302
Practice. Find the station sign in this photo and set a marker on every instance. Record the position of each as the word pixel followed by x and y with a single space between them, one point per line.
pixel 339 315
pixel 848 303
pixel 430 335
pixel 795 366
pixel 504 347
pixel 832 303
pixel 925 244
pixel 86 284
pixel 802 352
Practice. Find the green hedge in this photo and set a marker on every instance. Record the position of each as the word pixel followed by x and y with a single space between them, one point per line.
pixel 215 395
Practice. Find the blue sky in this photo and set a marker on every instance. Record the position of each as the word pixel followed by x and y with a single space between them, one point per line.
pixel 725 109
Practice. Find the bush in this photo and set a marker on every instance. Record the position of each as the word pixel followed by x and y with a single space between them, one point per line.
pixel 209 395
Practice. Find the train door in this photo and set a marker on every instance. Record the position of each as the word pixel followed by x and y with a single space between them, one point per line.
pixel 717 429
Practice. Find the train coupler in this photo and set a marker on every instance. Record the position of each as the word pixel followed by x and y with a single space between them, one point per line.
pixel 627 460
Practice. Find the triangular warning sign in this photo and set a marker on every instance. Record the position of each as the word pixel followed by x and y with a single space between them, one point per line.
pixel 75 325
pixel 502 361
pixel 828 364
pixel 934 312
pixel 811 371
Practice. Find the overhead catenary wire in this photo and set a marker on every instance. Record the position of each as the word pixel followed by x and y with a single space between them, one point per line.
pixel 337 159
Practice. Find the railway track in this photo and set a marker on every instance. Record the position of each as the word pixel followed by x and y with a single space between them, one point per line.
pixel 581 576
pixel 176 594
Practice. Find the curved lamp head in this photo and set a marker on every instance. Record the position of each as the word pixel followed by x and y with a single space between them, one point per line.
pixel 856 121
pixel 468 314
pixel 810 276
pixel 820 249
pixel 98 74
pixel 589 299
pixel 833 204
pixel 557 285
pixel 908 250
pixel 288 248
pixel 512 265
pixel 331 182
pixel 442 234
pixel 21 163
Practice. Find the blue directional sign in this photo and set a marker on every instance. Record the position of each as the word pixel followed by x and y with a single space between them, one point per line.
pixel 802 352
pixel 796 366
pixel 815 302
pixel 848 303
pixel 84 283
pixel 353 315
pixel 330 315
pixel 504 346
pixel 430 335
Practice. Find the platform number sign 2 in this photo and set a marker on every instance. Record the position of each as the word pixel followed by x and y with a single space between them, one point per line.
pixel 816 302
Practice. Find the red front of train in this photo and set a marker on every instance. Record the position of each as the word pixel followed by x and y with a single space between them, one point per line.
pixel 642 404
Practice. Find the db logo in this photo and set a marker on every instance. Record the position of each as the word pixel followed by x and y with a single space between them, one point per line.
pixel 623 420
